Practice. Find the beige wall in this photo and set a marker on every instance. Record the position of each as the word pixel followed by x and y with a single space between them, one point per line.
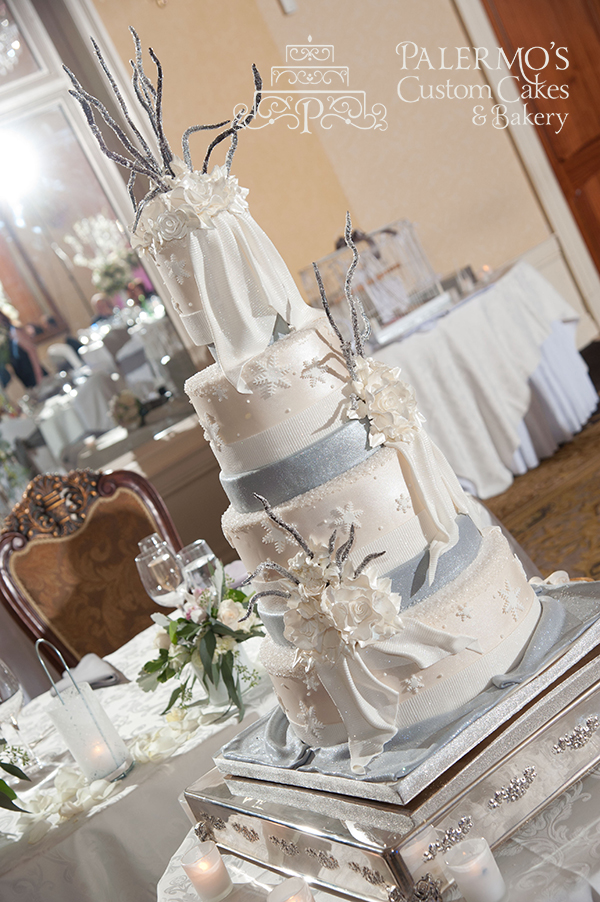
pixel 206 48
pixel 463 185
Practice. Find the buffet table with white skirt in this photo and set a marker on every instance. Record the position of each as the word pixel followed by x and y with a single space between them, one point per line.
pixel 499 379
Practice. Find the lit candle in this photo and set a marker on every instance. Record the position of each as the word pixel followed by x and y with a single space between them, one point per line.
pixel 205 868
pixel 475 871
pixel 292 890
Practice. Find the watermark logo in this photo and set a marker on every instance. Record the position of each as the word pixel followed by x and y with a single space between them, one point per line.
pixel 310 90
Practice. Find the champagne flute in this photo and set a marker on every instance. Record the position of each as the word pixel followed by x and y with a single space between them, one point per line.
pixel 160 572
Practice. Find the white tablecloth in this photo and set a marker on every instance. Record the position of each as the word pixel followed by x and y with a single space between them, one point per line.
pixel 116 850
pixel 67 418
pixel 499 379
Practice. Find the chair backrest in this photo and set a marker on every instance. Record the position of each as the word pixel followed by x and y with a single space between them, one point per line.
pixel 59 352
pixel 67 569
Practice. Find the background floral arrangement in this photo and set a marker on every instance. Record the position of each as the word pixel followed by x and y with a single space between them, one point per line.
pixel 126 409
pixel 204 644
pixel 99 244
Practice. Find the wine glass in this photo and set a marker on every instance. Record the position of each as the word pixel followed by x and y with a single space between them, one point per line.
pixel 197 563
pixel 11 702
pixel 160 572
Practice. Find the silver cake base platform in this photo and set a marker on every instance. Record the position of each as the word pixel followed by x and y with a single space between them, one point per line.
pixel 474 735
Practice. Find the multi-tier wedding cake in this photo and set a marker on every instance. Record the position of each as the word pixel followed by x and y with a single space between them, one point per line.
pixel 384 605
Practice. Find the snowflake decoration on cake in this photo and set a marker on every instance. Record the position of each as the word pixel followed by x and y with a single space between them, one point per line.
pixel 512 603
pixel 212 433
pixel 312 681
pixel 402 503
pixel 315 371
pixel 308 722
pixel 343 518
pixel 277 537
pixel 414 683
pixel 269 378
pixel 176 269
pixel 219 392
pixel 465 612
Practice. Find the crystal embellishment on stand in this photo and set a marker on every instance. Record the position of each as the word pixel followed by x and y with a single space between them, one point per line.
pixel 449 839
pixel 515 790
pixel 578 737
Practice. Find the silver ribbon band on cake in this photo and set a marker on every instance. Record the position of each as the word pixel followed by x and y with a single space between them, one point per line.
pixel 301 472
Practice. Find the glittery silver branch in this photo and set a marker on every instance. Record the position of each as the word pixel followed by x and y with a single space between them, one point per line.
pixel 254 599
pixel 361 333
pixel 283 525
pixel 240 122
pixel 366 561
pixel 141 160
pixel 341 555
pixel 270 565
pixel 346 346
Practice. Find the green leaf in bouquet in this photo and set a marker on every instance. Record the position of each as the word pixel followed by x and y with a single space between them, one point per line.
pixel 147 682
pixel 237 595
pixel 158 663
pixel 233 686
pixel 161 620
pixel 13 770
pixel 173 631
pixel 6 797
pixel 174 696
pixel 221 630
pixel 206 649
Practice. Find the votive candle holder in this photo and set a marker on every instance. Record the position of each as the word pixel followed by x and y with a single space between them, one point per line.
pixel 206 869
pixel 295 889
pixel 475 871
pixel 89 734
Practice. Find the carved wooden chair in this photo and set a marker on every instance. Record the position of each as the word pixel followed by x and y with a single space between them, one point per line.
pixel 67 570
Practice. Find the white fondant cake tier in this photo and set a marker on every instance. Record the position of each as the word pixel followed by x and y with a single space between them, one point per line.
pixel 489 601
pixel 299 392
pixel 374 496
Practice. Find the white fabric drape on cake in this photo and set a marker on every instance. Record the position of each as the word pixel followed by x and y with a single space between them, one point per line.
pixel 242 284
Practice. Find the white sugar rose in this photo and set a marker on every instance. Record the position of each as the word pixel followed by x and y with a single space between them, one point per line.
pixel 172 225
pixel 387 401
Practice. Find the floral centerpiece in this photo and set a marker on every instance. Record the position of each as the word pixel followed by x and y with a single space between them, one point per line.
pixel 204 644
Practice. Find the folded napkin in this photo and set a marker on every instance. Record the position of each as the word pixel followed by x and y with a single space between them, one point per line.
pixel 93 670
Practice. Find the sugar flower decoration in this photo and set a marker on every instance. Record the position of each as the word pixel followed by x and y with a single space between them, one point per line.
pixel 332 605
pixel 387 401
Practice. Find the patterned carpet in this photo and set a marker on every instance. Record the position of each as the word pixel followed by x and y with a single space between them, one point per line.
pixel 554 510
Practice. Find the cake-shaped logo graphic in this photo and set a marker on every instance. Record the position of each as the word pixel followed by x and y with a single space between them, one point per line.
pixel 310 90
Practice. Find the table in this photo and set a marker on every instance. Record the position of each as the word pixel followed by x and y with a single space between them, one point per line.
pixel 115 847
pixel 499 379
pixel 553 858
pixel 66 418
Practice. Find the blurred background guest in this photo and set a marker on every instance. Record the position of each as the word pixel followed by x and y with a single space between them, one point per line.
pixel 103 308
pixel 22 354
